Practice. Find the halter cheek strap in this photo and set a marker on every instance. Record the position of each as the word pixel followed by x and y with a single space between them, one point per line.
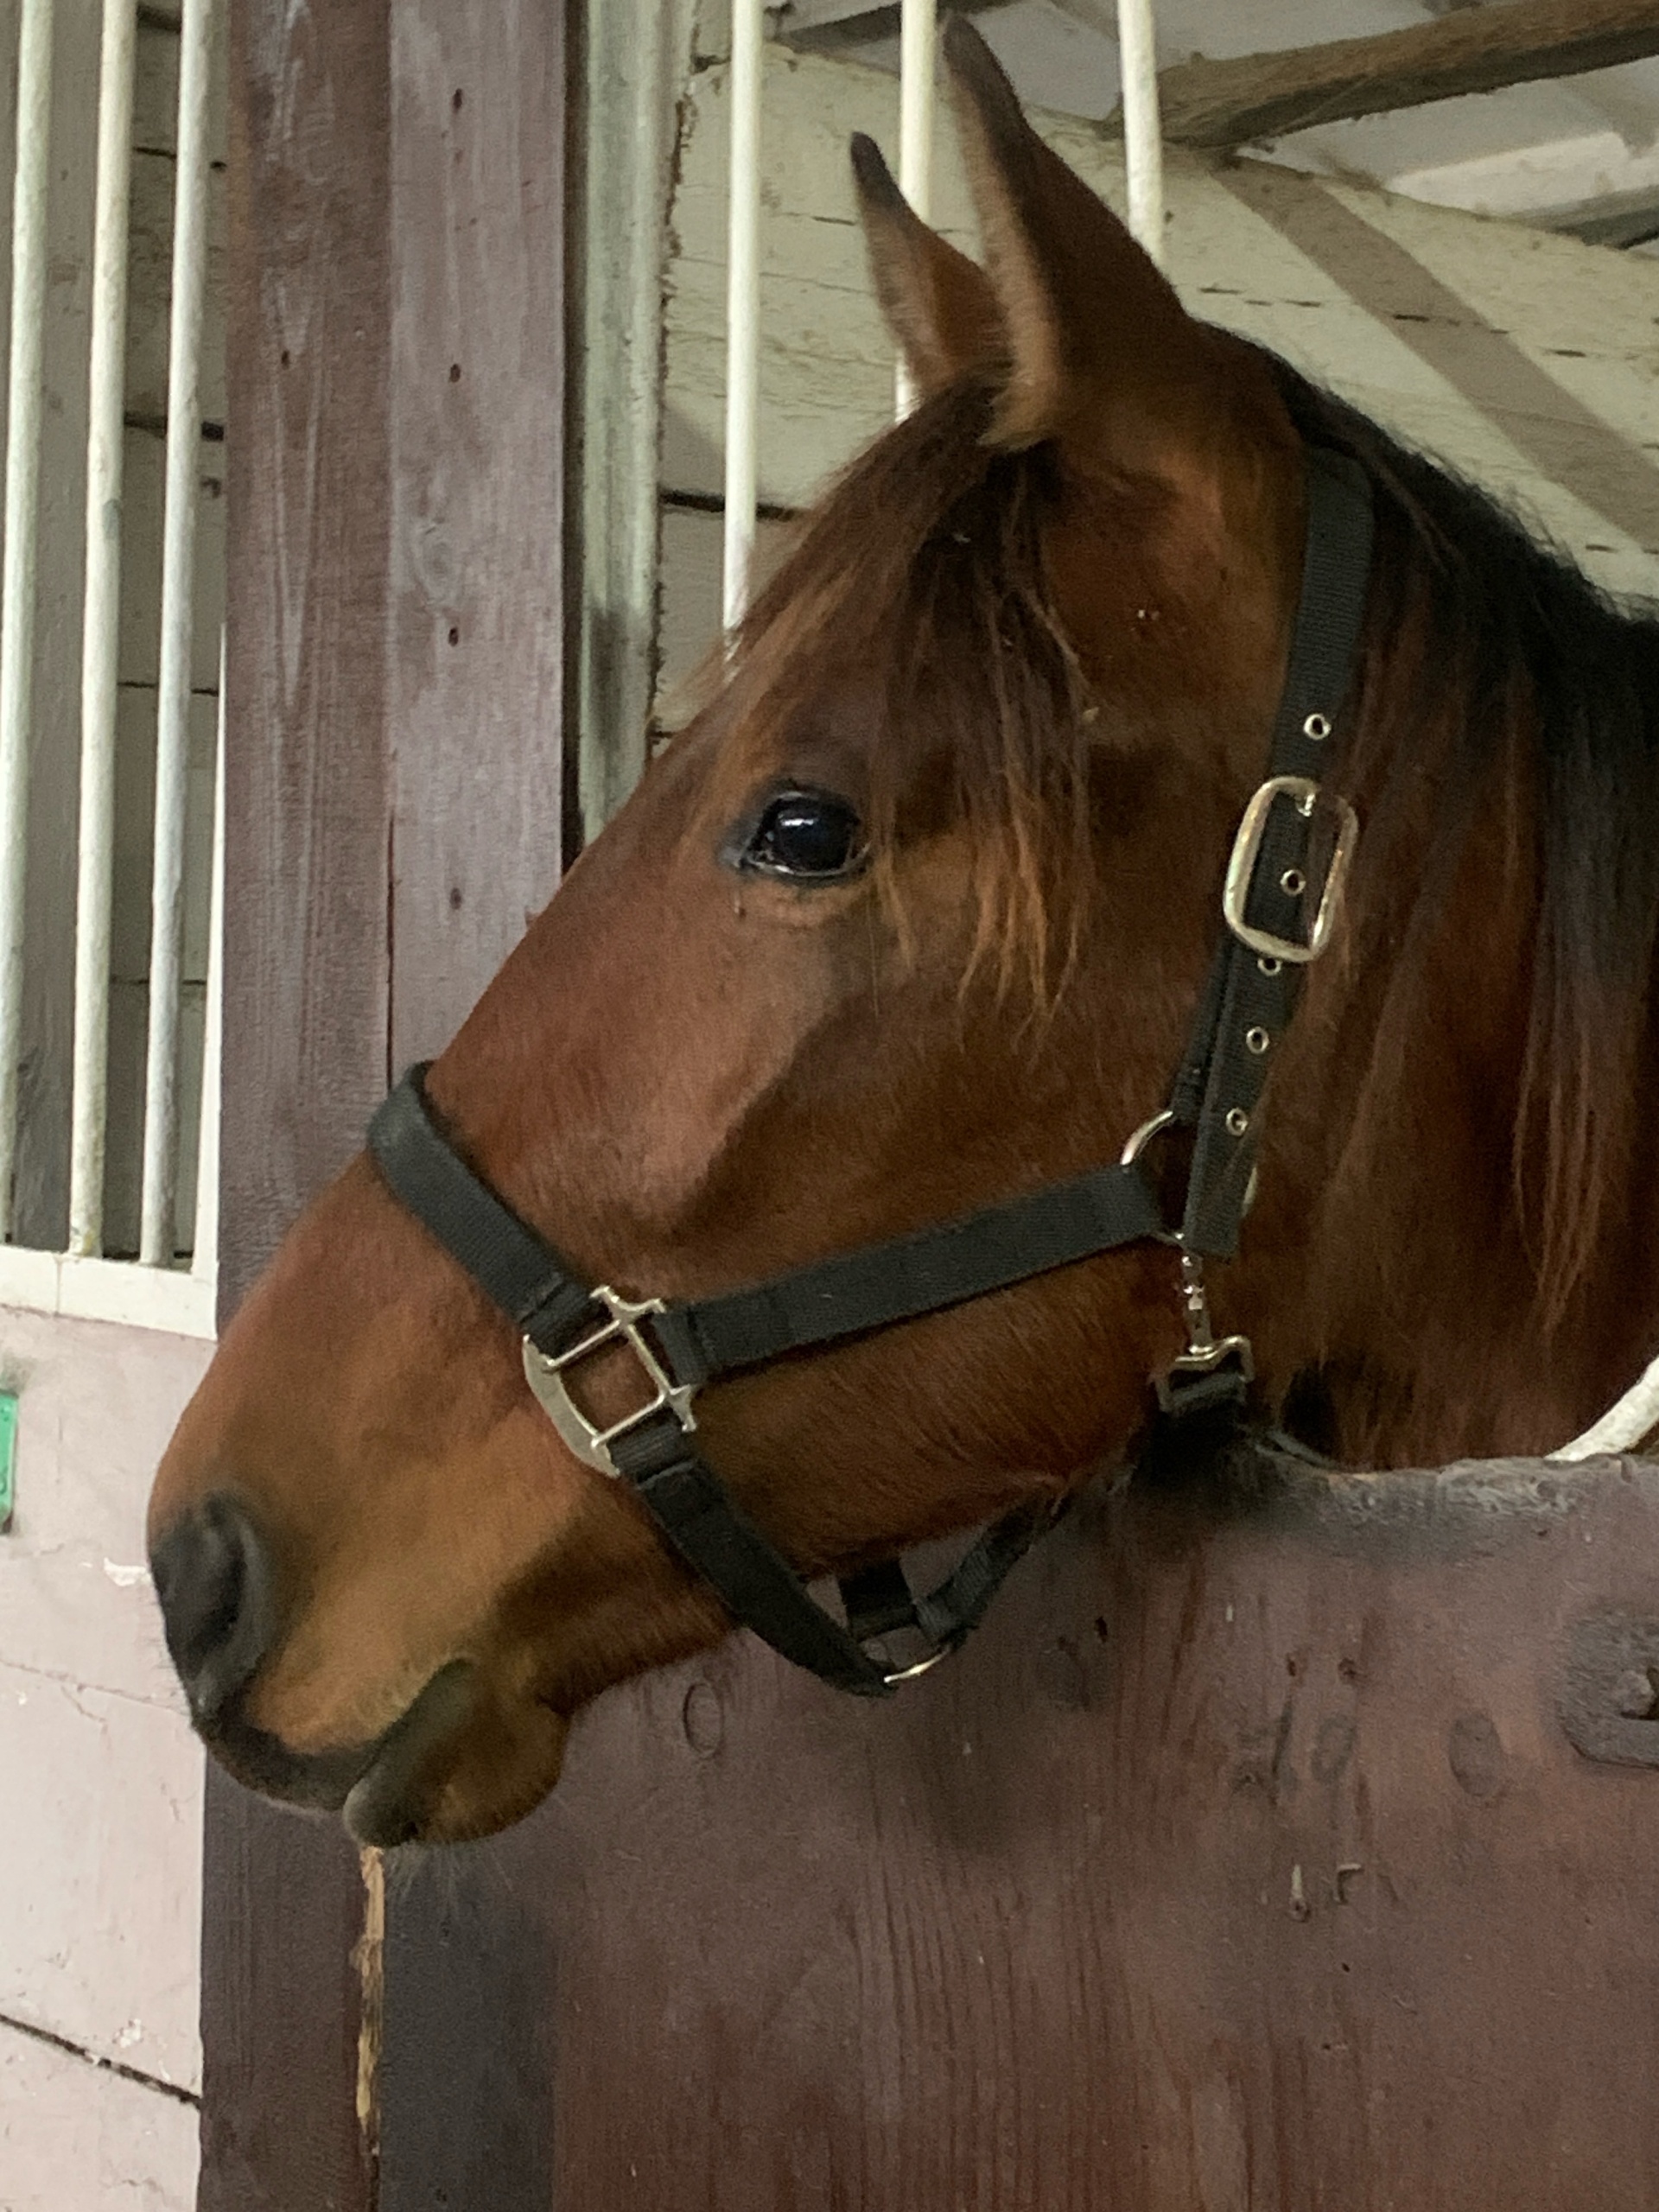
pixel 680 1347
pixel 1283 884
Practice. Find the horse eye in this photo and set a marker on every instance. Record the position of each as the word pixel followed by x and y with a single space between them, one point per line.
pixel 806 834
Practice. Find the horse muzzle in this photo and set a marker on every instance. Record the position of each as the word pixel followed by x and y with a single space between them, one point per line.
pixel 216 1590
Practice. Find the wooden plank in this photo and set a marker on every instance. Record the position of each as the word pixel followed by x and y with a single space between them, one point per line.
pixel 1219 104
pixel 308 802
pixel 477 412
pixel 467 2070
pixel 1242 1860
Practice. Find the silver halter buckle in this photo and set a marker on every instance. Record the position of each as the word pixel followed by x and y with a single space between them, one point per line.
pixel 1247 849
pixel 545 1374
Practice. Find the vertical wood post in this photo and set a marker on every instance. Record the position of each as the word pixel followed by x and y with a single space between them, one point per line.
pixel 477 599
pixel 395 679
pixel 308 802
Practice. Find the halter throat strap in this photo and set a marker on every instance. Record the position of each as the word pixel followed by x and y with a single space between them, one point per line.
pixel 681 1345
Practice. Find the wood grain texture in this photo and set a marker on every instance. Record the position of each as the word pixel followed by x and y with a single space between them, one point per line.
pixel 477 616
pixel 1240 1864
pixel 1217 103
pixel 307 801
pixel 477 424
pixel 308 776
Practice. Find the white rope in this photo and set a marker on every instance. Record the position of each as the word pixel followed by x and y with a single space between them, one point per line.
pixel 1623 1425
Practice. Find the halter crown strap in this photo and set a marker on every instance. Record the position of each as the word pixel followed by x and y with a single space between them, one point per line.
pixel 1252 993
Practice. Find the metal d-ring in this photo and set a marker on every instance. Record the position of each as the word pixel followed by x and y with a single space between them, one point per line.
pixel 1138 1140
pixel 918 1666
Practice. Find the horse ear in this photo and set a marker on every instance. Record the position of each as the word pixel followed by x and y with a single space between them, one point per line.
pixel 938 305
pixel 1084 309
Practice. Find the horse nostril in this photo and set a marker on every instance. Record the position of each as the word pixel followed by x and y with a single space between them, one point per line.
pixel 214 1585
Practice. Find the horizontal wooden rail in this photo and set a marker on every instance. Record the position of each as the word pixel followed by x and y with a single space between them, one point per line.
pixel 1219 104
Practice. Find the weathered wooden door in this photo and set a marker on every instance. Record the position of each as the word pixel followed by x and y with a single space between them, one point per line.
pixel 1244 1863
pixel 1289 1853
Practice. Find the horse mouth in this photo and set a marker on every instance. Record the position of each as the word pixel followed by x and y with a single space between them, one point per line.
pixel 385 1804
pixel 376 1786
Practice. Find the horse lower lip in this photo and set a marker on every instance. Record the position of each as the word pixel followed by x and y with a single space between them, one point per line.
pixel 383 1804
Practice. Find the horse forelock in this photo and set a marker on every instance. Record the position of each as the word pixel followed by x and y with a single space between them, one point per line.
pixel 922 581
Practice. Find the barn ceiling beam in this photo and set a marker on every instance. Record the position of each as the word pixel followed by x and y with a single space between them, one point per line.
pixel 1621 218
pixel 1221 104
pixel 831 26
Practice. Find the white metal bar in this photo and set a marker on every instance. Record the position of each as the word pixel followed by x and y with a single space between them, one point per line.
pixel 1143 142
pixel 106 1290
pixel 638 57
pixel 23 402
pixel 100 627
pixel 917 27
pixel 743 310
pixel 157 1230
pixel 205 1243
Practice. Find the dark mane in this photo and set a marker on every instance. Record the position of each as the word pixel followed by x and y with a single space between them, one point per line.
pixel 1540 693
pixel 1494 673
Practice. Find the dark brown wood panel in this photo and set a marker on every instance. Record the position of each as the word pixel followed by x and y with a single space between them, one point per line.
pixel 307 802
pixel 1241 1864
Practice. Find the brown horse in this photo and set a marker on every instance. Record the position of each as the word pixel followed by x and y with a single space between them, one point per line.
pixel 913 918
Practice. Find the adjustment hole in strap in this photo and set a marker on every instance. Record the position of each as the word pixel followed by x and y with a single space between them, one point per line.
pixel 1270 966
pixel 1292 883
pixel 1318 727
pixel 1237 1120
pixel 1257 1040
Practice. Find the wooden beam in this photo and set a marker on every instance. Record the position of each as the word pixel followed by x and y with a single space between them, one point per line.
pixel 1218 104
pixel 866 27
pixel 1623 218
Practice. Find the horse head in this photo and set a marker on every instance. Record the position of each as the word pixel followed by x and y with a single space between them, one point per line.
pixel 912 919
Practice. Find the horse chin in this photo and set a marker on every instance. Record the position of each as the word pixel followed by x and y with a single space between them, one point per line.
pixel 456 1766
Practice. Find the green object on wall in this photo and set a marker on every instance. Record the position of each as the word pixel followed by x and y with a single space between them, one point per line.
pixel 8 1454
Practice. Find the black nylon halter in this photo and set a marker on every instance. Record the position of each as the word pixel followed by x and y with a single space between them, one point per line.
pixel 1248 1001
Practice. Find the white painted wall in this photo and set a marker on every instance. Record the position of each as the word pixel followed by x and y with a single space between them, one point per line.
pixel 68 2143
pixel 100 1778
pixel 100 1785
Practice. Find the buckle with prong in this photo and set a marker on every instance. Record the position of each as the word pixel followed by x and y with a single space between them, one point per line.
pixel 1246 848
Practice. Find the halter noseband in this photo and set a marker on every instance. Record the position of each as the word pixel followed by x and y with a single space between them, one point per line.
pixel 1250 994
